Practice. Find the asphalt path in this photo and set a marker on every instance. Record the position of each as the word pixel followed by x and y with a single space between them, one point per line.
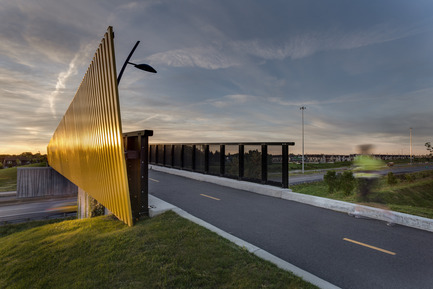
pixel 343 250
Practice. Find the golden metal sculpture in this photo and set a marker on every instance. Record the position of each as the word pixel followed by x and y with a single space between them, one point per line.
pixel 87 145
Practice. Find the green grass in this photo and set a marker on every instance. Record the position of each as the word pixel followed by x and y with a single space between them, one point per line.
pixel 8 177
pixel 414 196
pixel 163 252
pixel 9 229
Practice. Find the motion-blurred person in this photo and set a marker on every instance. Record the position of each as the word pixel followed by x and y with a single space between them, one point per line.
pixel 366 170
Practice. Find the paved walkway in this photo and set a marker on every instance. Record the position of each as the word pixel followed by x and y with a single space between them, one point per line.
pixel 357 210
pixel 159 206
pixel 345 251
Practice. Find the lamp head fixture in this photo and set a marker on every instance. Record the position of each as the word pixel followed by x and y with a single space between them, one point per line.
pixel 145 67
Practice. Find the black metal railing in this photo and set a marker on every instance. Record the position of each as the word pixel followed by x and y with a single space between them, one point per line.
pixel 266 163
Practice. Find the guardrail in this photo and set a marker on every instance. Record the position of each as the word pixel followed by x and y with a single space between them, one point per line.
pixel 266 163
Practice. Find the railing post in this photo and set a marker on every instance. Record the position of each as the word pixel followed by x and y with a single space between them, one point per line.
pixel 156 154
pixel 144 159
pixel 172 156
pixel 222 159
pixel 193 158
pixel 264 163
pixel 182 157
pixel 137 159
pixel 241 161
pixel 206 159
pixel 164 162
pixel 149 150
pixel 288 167
pixel 285 166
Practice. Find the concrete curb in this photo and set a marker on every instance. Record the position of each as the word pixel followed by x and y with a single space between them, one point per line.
pixel 287 194
pixel 158 206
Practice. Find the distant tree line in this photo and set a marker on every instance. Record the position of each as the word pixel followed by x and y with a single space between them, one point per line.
pixel 24 158
pixel 429 148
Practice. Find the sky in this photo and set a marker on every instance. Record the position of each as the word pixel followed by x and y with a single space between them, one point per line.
pixel 228 71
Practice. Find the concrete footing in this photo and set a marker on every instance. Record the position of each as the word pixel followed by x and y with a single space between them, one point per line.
pixel 88 207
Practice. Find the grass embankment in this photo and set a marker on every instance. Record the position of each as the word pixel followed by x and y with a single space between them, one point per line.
pixel 412 194
pixel 8 177
pixel 163 252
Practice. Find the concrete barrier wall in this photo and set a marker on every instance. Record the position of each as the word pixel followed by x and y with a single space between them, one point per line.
pixel 43 182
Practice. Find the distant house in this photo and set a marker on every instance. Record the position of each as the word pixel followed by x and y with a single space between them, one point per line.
pixel 15 161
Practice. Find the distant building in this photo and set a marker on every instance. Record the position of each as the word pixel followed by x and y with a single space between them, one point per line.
pixel 14 161
pixel 322 158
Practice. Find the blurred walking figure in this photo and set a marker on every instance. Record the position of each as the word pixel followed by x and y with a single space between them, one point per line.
pixel 366 170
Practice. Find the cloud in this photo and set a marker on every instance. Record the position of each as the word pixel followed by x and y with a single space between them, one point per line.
pixel 313 41
pixel 33 33
pixel 230 100
pixel 238 71
pixel 61 83
pixel 340 100
pixel 202 57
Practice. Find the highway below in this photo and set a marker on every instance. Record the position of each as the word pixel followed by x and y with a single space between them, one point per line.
pixel 315 176
pixel 26 210
pixel 343 250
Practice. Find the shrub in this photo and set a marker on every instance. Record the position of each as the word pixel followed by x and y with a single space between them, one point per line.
pixel 347 182
pixel 232 166
pixel 96 208
pixel 332 180
pixel 391 179
pixel 253 164
pixel 410 178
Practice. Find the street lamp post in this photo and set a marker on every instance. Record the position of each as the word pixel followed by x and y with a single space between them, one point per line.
pixel 410 152
pixel 136 155
pixel 302 108
pixel 144 67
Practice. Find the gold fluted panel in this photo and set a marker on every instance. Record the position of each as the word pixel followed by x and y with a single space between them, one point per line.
pixel 87 145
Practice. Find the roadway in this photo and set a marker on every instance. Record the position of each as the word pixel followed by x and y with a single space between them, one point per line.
pixel 317 175
pixel 15 211
pixel 345 251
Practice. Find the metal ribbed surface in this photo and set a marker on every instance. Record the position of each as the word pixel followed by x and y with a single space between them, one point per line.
pixel 87 145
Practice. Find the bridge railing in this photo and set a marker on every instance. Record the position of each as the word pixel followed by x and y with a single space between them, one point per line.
pixel 266 163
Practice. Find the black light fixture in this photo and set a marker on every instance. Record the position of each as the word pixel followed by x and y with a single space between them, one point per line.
pixel 145 67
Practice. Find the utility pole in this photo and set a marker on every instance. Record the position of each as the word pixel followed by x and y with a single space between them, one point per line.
pixel 302 108
pixel 410 153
